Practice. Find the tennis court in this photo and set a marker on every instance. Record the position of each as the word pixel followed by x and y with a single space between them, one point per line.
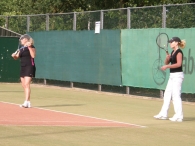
pixel 99 110
pixel 15 116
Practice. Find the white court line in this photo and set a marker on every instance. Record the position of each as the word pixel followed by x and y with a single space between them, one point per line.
pixel 54 121
pixel 82 116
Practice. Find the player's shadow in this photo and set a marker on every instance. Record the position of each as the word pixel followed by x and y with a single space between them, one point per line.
pixel 189 118
pixel 60 105
pixel 61 131
pixel 11 91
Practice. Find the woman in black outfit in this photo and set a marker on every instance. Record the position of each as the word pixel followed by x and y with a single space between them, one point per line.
pixel 27 65
pixel 173 62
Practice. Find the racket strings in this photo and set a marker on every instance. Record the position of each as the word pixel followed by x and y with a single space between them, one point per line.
pixel 162 41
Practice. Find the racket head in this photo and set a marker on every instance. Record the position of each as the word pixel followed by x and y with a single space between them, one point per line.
pixel 25 36
pixel 162 41
pixel 19 46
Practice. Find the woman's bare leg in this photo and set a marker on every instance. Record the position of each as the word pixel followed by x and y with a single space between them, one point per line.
pixel 26 86
pixel 27 81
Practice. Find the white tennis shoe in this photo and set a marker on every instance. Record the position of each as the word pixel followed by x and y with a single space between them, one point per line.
pixel 160 117
pixel 175 119
pixel 26 105
pixel 29 105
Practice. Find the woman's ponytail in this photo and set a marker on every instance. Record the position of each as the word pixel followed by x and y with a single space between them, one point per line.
pixel 182 44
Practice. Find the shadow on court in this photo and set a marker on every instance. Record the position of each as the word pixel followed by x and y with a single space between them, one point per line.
pixel 11 91
pixel 56 132
pixel 61 105
pixel 189 119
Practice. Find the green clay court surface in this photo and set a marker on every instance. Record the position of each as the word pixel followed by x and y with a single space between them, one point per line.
pixel 78 117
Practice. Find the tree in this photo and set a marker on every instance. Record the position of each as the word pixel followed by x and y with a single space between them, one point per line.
pixel 22 7
pixel 140 17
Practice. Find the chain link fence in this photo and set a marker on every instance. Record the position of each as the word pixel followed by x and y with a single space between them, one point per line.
pixel 165 16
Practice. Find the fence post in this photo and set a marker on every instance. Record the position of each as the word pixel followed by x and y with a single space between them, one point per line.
pixel 88 25
pixel 7 22
pixel 45 82
pixel 164 17
pixel 161 94
pixel 47 22
pixel 128 18
pixel 101 19
pixel 163 26
pixel 127 90
pixel 71 84
pixel 75 21
pixel 28 23
pixel 99 87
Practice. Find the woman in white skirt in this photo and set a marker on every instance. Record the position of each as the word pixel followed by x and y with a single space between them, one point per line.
pixel 173 88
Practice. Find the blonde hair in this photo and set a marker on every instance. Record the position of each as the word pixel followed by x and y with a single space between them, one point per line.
pixel 182 44
pixel 31 41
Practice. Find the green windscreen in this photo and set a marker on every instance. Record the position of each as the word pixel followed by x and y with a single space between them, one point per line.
pixel 127 57
pixel 142 59
pixel 9 68
pixel 79 56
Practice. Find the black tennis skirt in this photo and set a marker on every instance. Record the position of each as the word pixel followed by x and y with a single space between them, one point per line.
pixel 27 71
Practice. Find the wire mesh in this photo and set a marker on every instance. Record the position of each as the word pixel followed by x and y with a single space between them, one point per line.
pixel 86 20
pixel 146 17
pixel 181 16
pixel 174 16
pixel 37 23
pixel 17 24
pixel 115 19
pixel 2 21
pixel 61 21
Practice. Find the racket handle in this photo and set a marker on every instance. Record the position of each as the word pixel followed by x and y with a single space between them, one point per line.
pixel 17 51
pixel 167 52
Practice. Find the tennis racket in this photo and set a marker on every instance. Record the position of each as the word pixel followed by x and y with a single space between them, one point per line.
pixel 162 42
pixel 18 49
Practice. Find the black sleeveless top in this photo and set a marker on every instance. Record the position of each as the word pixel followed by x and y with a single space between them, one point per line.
pixel 173 60
pixel 25 58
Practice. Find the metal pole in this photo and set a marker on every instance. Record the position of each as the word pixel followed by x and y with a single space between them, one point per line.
pixel 128 18
pixel 7 22
pixel 161 94
pixel 163 26
pixel 127 90
pixel 99 87
pixel 71 84
pixel 88 26
pixel 28 23
pixel 47 22
pixel 45 81
pixel 101 19
pixel 164 17
pixel 75 21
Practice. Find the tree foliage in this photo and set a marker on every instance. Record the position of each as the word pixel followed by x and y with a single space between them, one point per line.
pixel 22 7
pixel 141 17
